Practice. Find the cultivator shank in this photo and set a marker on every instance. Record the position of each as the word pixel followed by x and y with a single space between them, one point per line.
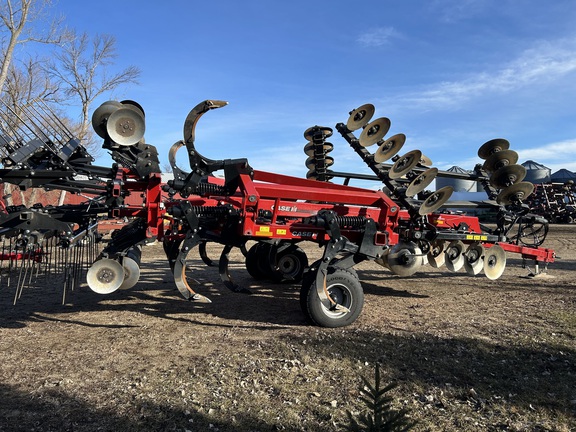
pixel 266 215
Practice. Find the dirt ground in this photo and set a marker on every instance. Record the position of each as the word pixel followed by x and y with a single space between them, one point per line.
pixel 468 354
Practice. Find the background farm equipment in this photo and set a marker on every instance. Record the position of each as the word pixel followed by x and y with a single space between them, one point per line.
pixel 400 227
pixel 554 201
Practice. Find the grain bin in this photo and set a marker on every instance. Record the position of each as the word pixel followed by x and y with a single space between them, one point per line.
pixel 536 173
pixel 563 176
pixel 459 185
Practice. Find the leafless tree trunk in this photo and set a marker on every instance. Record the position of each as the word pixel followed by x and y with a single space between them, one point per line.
pixel 15 16
pixel 82 68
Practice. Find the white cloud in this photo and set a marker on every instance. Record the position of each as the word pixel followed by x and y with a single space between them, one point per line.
pixel 555 155
pixel 377 37
pixel 467 164
pixel 286 159
pixel 542 64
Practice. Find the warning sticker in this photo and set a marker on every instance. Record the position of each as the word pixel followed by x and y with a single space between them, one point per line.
pixel 476 237
pixel 264 231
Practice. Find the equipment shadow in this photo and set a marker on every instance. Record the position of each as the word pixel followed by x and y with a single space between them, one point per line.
pixel 155 294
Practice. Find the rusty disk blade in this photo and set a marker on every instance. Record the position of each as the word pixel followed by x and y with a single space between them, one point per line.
pixel 127 103
pixel 405 259
pixel 359 117
pixel 492 146
pixel 421 182
pixel 436 257
pixel 507 176
pixel 100 116
pixel 405 164
pixel 425 160
pixel 311 174
pixel 454 256
pixel 473 263
pixel 435 200
pixel 515 193
pixel 374 131
pixel 500 159
pixel 131 273
pixel 312 148
pixel 312 162
pixel 321 131
pixel 494 262
pixel 389 148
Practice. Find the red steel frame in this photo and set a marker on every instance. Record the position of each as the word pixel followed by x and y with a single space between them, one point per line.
pixel 289 201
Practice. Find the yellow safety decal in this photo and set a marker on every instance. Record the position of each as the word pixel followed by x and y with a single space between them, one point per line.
pixel 281 231
pixel 263 231
pixel 476 237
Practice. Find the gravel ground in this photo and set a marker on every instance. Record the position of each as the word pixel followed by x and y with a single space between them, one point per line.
pixel 467 353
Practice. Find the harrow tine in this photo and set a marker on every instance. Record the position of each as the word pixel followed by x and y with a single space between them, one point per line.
pixel 49 257
pixel 3 252
pixel 64 296
pixel 66 264
pixel 63 259
pixel 33 266
pixel 21 275
pixel 80 265
pixel 71 267
pixel 38 260
pixel 75 265
pixel 10 263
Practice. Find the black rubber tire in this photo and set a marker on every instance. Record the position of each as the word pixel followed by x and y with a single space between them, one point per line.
pixel 344 288
pixel 257 261
pixel 251 262
pixel 291 261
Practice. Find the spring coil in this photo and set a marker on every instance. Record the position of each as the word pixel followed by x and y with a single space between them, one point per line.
pixel 351 221
pixel 210 189
pixel 210 210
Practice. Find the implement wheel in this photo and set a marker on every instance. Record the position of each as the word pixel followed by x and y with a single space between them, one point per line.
pixel 344 289
pixel 291 261
pixel 257 261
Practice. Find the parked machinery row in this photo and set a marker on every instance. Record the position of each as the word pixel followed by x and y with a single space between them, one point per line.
pixel 554 201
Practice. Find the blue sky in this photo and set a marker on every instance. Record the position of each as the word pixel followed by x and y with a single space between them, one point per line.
pixel 450 74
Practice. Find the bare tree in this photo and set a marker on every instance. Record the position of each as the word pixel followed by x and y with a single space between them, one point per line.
pixel 82 66
pixel 166 168
pixel 27 82
pixel 15 15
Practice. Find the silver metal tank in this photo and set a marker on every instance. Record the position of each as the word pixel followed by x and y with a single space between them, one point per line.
pixel 459 185
pixel 536 173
